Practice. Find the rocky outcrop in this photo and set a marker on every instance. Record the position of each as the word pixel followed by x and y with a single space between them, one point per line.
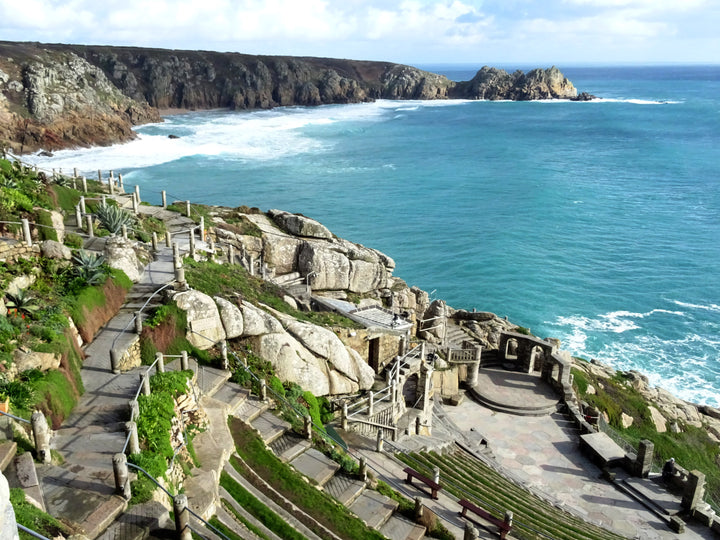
pixel 125 255
pixel 204 326
pixel 54 96
pixel 493 84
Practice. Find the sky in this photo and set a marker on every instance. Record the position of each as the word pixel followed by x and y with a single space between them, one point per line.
pixel 562 32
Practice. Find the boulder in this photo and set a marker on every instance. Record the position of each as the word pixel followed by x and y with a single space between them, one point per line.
pixel 231 316
pixel 435 321
pixel 256 322
pixel 658 419
pixel 280 252
pixel 299 225
pixel 19 283
pixel 25 360
pixel 292 361
pixel 121 254
pixel 55 250
pixel 58 223
pixel 365 374
pixel 205 327
pixel 330 268
pixel 366 276
pixel 8 524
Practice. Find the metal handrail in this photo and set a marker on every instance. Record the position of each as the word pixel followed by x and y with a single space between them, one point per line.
pixel 140 310
pixel 31 532
pixel 15 417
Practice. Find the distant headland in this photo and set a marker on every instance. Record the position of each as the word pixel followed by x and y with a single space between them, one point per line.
pixel 55 96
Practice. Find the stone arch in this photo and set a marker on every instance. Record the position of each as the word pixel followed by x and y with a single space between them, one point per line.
pixel 537 359
pixel 511 349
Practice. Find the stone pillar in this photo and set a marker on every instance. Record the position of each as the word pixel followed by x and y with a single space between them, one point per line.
pixel 308 427
pixel 134 442
pixel 124 232
pixel 231 254
pixel 224 354
pixel 182 517
pixel 122 476
pixel 111 184
pixel 184 363
pixel 419 509
pixel 371 403
pixel 168 239
pixel 160 362
pixel 202 228
pixel 472 372
pixel 89 225
pixel 471 533
pixel 694 490
pixel 83 208
pixel 26 232
pixel 146 383
pixel 75 175
pixel 252 266
pixel 418 425
pixel 180 277
pixel 84 184
pixel 99 176
pixel 41 434
pixel 212 250
pixel 436 475
pixel 136 204
pixel 191 239
pixel 379 443
pixel 362 469
pixel 154 241
pixel 176 255
pixel 138 322
pixel 137 194
pixel 344 417
pixel 163 194
pixel 78 216
pixel 121 187
pixel 115 360
pixel 263 390
pixel 134 408
pixel 644 460
pixel 187 208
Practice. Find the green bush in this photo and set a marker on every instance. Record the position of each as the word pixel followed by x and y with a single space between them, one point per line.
pixel 47 231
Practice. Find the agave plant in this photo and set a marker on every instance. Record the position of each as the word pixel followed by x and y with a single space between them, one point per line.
pixel 22 301
pixel 113 218
pixel 89 266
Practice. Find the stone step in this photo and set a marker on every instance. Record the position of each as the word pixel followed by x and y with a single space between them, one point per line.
pixel 654 494
pixel 289 446
pixel 8 449
pixel 248 516
pixel 269 426
pixel 344 488
pixel 518 410
pixel 398 528
pixel 373 508
pixel 316 466
pixel 139 522
pixel 250 409
pixel 233 395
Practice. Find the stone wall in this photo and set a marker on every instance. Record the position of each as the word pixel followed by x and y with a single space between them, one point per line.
pixel 12 250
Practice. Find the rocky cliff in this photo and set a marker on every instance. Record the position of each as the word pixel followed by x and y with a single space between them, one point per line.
pixel 54 96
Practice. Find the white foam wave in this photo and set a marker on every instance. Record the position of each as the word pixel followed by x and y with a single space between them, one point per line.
pixel 635 101
pixel 710 307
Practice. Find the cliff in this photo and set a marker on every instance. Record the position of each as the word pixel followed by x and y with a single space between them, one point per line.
pixel 56 96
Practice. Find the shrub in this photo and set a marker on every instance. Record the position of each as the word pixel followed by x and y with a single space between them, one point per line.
pixel 112 218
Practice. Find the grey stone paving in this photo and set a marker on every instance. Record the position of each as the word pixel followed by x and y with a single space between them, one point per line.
pixel 344 488
pixel 373 508
pixel 315 465
pixel 269 426
pixel 398 528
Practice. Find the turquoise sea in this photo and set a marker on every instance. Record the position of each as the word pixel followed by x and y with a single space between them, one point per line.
pixel 597 223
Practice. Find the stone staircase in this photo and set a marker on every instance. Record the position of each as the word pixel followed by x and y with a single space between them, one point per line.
pixel 376 510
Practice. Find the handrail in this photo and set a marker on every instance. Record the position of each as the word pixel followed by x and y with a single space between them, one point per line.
pixel 15 417
pixel 135 316
pixel 31 532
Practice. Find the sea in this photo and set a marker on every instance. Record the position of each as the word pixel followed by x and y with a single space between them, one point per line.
pixel 597 223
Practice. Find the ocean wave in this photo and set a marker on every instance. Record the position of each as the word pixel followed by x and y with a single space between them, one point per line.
pixel 635 101
pixel 709 307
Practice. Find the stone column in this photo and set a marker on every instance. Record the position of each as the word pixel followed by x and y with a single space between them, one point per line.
pixel 41 434
pixel 121 187
pixel 168 239
pixel 99 176
pixel 182 517
pixel 134 442
pixel 694 490
pixel 263 390
pixel 115 361
pixel 164 199
pixel 472 370
pixel 137 194
pixel 191 239
pixel 419 509
pixel 436 475
pixel 78 216
pixel 224 354
pixel 138 322
pixel 84 184
pixel 202 228
pixel 154 241
pixel 371 403
pixel 160 362
pixel 644 460
pixel 136 204
pixel 184 363
pixel 134 408
pixel 111 184
pixel 124 232
pixel 146 383
pixel 176 255
pixel 231 254
pixel 362 469
pixel 308 427
pixel 187 208
pixel 471 533
pixel 75 175
pixel 83 208
pixel 26 232
pixel 379 443
pixel 122 476
pixel 344 417
pixel 180 277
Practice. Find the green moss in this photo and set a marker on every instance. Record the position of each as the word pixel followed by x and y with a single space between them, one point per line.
pixel 33 518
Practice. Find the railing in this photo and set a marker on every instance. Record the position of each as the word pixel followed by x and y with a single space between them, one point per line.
pixel 31 532
pixel 15 417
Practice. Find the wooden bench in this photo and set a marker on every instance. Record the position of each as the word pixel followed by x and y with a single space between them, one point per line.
pixel 504 526
pixel 412 473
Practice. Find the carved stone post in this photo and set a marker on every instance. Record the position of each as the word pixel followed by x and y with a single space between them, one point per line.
pixel 308 427
pixel 136 203
pixel 344 417
pixel 99 176
pixel 84 184
pixel 182 517
pixel 371 403
pixel 75 175
pixel 180 277
pixel 121 187
pixel 362 469
pixel 694 490
pixel 138 322
pixel 184 363
pixel 124 232
pixel 134 408
pixel 164 199
pixel 419 509
pixel 115 361
pixel 111 184
pixel 191 239
pixel 177 263
pixel 26 232
pixel 471 533
pixel 202 228
pixel 154 241
pixel 436 475
pixel 78 216
pixel 231 254
pixel 134 442
pixel 644 460
pixel 41 434
pixel 224 354
pixel 83 209
pixel 168 239
pixel 263 390
pixel 137 194
pixel 187 208
pixel 122 476
pixel 160 362
pixel 379 443
pixel 146 383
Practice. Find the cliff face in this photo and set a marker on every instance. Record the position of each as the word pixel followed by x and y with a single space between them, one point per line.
pixel 57 96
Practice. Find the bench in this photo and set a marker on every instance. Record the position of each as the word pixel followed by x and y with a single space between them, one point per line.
pixel 412 473
pixel 504 526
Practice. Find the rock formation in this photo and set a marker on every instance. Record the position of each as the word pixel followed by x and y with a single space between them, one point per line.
pixel 55 96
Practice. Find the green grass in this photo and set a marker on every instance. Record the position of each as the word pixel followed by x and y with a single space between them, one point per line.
pixel 258 509
pixel 252 528
pixel 226 280
pixel 33 518
pixel 294 487
pixel 215 522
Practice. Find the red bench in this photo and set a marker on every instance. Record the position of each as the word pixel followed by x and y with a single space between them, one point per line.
pixel 504 526
pixel 412 473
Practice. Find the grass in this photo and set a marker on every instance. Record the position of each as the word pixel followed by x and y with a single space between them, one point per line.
pixel 215 522
pixel 258 509
pixel 225 280
pixel 252 528
pixel 293 486
pixel 33 518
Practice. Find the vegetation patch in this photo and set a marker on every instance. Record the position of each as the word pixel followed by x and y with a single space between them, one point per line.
pixel 33 518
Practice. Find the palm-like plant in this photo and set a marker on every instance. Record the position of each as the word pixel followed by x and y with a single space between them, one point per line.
pixel 113 218
pixel 22 301
pixel 89 266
